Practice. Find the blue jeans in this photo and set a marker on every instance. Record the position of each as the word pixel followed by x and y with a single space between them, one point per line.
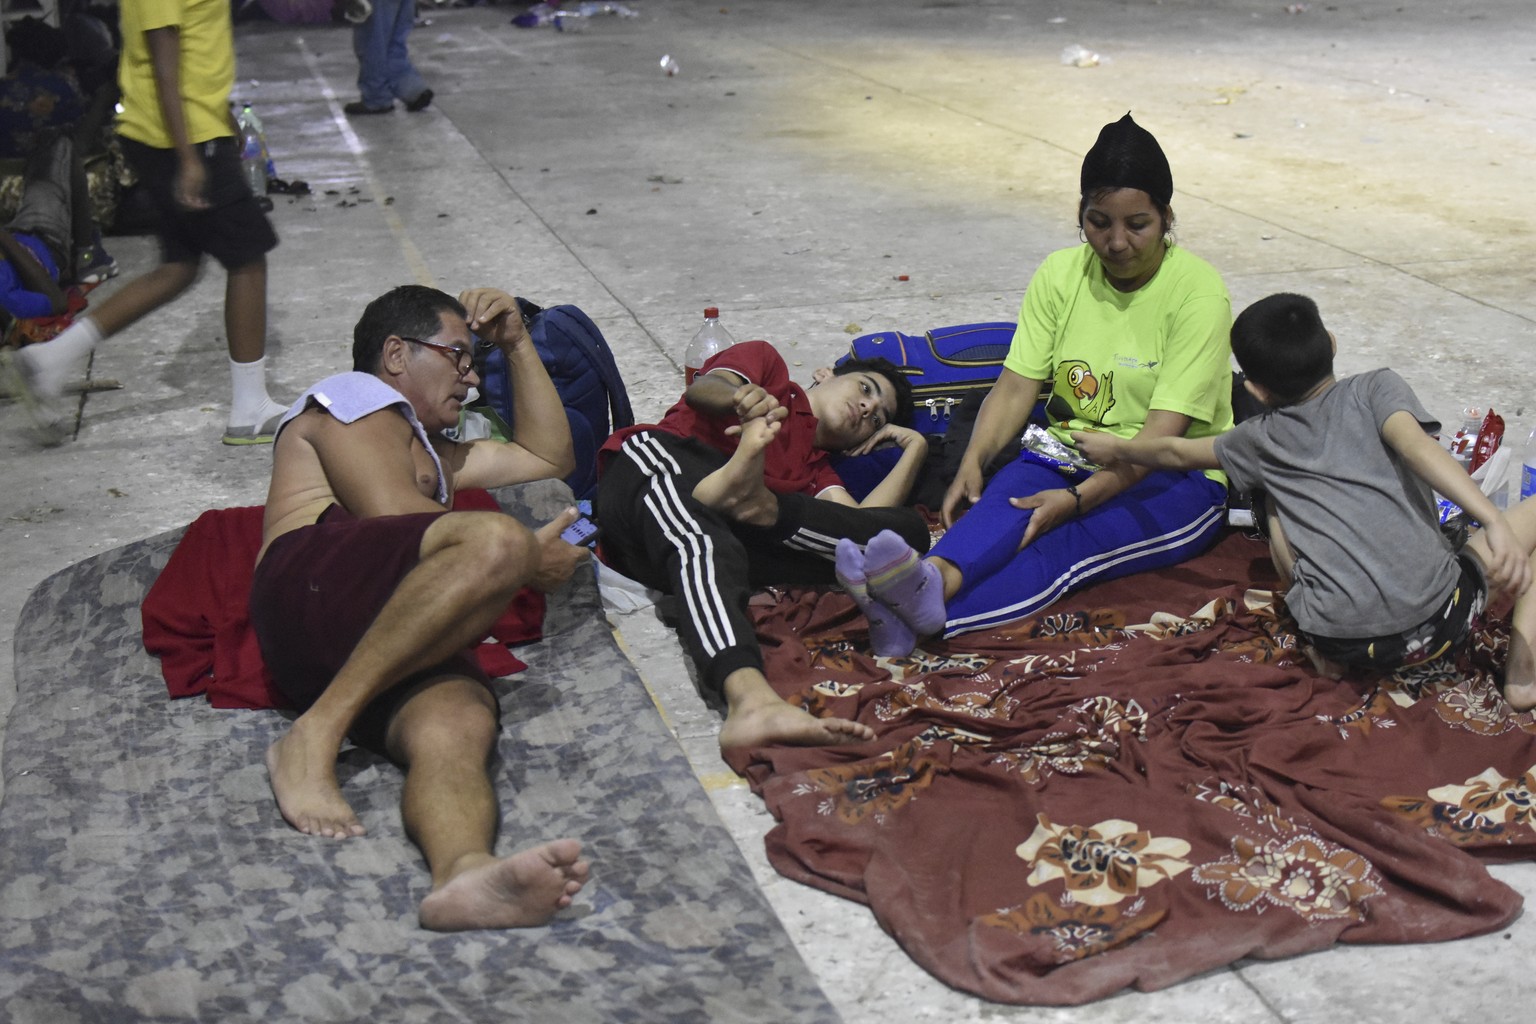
pixel 384 68
pixel 1161 521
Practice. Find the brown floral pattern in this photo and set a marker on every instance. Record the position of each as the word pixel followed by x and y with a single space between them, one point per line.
pixel 1096 627
pixel 982 702
pixel 868 791
pixel 1374 712
pixel 1104 863
pixel 1486 808
pixel 1302 873
pixel 1075 930
pixel 1101 727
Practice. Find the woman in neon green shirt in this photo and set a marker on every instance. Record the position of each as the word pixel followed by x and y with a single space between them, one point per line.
pixel 1132 334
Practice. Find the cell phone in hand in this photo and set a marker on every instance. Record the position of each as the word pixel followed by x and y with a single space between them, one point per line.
pixel 582 532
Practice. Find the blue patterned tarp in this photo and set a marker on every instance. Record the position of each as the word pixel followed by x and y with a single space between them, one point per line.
pixel 145 874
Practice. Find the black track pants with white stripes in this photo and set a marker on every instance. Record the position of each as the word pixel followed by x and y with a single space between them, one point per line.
pixel 655 531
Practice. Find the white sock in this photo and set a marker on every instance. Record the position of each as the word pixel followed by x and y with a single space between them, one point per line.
pixel 249 403
pixel 50 365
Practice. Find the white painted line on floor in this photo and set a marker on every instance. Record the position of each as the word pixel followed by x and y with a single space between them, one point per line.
pixel 413 257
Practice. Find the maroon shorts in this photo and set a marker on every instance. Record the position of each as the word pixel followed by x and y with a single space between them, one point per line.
pixel 316 592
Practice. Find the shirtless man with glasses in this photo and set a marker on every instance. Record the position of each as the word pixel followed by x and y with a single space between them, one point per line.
pixel 368 592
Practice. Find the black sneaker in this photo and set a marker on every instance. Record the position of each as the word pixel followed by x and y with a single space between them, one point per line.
pixel 421 102
pixel 94 264
pixel 358 107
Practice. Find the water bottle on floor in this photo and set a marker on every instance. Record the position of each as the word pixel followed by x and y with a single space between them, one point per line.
pixel 253 157
pixel 710 339
pixel 1528 469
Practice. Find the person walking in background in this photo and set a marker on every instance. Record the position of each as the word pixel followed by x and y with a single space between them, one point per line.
pixel 176 74
pixel 384 68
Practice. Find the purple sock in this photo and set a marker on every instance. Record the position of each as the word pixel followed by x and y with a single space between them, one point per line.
pixel 888 635
pixel 903 582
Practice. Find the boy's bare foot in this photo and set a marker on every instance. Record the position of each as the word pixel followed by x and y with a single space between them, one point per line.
pixel 1521 696
pixel 520 891
pixel 759 717
pixel 737 488
pixel 783 723
pixel 303 777
pixel 1520 674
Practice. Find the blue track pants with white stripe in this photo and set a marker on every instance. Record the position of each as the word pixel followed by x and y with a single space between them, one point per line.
pixel 1162 520
pixel 654 531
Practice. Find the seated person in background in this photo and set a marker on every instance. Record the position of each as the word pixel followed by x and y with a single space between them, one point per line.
pixel 1131 332
pixel 39 92
pixel 1348 468
pixel 733 490
pixel 53 225
pixel 368 592
pixel 41 98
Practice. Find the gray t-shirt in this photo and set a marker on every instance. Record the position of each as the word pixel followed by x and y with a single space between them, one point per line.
pixel 1370 557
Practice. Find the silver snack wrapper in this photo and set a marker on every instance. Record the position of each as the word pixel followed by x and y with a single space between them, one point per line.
pixel 1042 447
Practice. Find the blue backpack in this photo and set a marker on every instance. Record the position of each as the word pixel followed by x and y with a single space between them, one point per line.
pixel 582 368
pixel 944 365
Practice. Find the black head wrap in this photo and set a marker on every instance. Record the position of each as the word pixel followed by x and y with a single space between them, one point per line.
pixel 1127 156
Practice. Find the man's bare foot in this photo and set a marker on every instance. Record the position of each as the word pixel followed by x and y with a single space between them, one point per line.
pixel 520 891
pixel 303 778
pixel 765 723
pixel 737 488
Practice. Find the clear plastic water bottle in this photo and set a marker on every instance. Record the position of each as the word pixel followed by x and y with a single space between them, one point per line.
pixel 1528 469
pixel 710 339
pixel 249 117
pixel 253 161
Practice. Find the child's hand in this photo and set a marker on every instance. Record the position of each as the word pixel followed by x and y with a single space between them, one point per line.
pixel 1097 446
pixel 751 402
pixel 1509 566
pixel 902 437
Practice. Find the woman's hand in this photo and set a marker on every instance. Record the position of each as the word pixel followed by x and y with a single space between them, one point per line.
pixel 964 491
pixel 1052 508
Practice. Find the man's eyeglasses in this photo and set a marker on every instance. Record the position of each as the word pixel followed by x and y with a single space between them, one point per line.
pixel 462 358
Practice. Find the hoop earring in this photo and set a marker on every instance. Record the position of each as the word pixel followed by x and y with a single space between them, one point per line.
pixel 1080 236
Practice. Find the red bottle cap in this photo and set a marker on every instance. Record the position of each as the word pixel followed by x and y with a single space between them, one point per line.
pixel 711 312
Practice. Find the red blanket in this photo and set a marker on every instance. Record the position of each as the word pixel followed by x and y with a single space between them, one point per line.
pixel 1145 782
pixel 197 622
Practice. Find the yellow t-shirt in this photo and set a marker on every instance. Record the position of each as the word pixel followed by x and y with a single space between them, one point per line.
pixel 1113 356
pixel 207 69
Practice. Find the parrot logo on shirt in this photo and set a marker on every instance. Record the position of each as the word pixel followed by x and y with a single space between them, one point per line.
pixel 1092 396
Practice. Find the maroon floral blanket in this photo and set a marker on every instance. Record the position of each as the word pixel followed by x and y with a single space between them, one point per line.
pixel 1144 783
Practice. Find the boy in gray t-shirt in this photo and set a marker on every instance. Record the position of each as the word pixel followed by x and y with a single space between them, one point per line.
pixel 1349 469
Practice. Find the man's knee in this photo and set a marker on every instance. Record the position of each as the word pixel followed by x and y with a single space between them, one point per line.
pixel 505 552
pixel 445 720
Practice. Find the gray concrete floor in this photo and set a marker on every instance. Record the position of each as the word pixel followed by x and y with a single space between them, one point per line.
pixel 1374 154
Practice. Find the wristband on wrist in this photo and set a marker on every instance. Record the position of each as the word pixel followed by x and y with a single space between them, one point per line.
pixel 1076 497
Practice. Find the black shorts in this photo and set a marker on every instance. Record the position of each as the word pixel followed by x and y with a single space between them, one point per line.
pixel 1443 633
pixel 318 589
pixel 232 230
